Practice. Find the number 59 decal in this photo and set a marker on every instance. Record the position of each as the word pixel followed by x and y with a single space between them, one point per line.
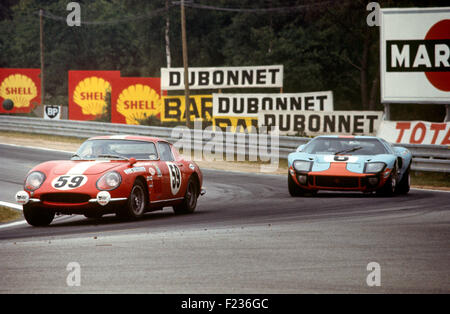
pixel 175 177
pixel 69 182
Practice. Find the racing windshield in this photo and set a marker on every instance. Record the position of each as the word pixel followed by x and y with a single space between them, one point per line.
pixel 116 149
pixel 345 146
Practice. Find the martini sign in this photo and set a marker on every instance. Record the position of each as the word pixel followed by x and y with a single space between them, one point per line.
pixel 415 55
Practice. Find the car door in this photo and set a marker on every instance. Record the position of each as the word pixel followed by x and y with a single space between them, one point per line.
pixel 172 174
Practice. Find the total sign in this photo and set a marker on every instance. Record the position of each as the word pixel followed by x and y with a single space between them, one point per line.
pixel 415 55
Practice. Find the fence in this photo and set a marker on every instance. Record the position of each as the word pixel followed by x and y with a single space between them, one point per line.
pixel 425 157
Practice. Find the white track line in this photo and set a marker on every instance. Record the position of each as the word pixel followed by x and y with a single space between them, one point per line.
pixel 11 205
pixel 41 148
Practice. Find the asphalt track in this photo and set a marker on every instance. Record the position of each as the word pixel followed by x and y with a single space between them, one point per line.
pixel 246 236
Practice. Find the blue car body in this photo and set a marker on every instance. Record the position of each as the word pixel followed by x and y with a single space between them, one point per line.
pixel 354 163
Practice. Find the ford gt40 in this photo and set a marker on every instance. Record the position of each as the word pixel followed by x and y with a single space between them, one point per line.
pixel 350 163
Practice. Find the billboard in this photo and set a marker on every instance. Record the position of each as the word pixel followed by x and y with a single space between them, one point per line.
pixel 20 90
pixel 248 105
pixel 415 132
pixel 312 123
pixel 415 52
pixel 174 108
pixel 88 92
pixel 135 99
pixel 223 77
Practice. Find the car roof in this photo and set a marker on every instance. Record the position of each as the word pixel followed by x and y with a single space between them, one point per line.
pixel 128 137
pixel 348 136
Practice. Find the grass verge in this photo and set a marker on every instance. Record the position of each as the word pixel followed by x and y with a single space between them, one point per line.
pixel 7 214
pixel 430 179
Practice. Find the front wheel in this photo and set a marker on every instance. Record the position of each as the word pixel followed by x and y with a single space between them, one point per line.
pixel 390 186
pixel 294 189
pixel 38 216
pixel 404 184
pixel 190 199
pixel 137 202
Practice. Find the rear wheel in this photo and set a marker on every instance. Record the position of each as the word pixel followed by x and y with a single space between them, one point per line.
pixel 38 216
pixel 190 199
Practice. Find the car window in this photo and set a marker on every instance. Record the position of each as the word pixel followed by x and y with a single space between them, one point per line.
pixel 349 146
pixel 109 148
pixel 165 151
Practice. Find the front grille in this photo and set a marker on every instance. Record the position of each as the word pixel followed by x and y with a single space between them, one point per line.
pixel 68 198
pixel 338 182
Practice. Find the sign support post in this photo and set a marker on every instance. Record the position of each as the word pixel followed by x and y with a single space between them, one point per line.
pixel 387 112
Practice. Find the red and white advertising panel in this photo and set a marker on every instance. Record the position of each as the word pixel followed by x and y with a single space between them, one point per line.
pixel 415 55
pixel 415 132
pixel 88 91
pixel 20 90
pixel 135 99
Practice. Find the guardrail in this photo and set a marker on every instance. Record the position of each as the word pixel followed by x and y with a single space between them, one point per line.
pixel 425 157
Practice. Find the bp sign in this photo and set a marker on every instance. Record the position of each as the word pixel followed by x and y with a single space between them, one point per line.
pixel 52 112
pixel 415 55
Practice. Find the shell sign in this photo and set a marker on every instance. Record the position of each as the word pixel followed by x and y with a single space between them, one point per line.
pixel 20 90
pixel 88 93
pixel 135 99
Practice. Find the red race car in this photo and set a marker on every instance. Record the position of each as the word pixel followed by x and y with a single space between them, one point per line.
pixel 126 175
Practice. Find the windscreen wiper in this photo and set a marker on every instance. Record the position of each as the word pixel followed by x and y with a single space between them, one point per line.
pixel 348 150
pixel 112 156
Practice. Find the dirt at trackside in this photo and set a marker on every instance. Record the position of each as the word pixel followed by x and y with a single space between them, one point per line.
pixel 72 146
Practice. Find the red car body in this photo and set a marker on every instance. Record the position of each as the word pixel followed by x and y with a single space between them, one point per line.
pixel 74 186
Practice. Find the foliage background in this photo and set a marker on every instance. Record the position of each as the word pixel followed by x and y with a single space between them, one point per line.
pixel 323 45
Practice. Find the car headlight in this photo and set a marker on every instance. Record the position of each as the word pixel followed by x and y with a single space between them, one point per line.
pixel 34 181
pixel 375 167
pixel 109 181
pixel 301 165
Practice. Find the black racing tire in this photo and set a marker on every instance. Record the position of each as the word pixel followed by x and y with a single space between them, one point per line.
pixel 294 189
pixel 38 216
pixel 405 183
pixel 137 202
pixel 390 186
pixel 189 202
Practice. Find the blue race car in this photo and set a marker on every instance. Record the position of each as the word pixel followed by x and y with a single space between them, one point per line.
pixel 349 163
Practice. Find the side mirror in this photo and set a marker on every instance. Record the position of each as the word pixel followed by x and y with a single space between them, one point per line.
pixel 132 161
pixel 300 148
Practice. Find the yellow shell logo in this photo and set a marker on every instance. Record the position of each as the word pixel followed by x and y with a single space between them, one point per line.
pixel 138 102
pixel 19 88
pixel 90 95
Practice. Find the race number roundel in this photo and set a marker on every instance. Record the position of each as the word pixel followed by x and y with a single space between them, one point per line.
pixel 440 30
pixel 69 182
pixel 175 177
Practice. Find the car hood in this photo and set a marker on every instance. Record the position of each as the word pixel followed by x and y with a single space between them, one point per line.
pixel 91 167
pixel 341 158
